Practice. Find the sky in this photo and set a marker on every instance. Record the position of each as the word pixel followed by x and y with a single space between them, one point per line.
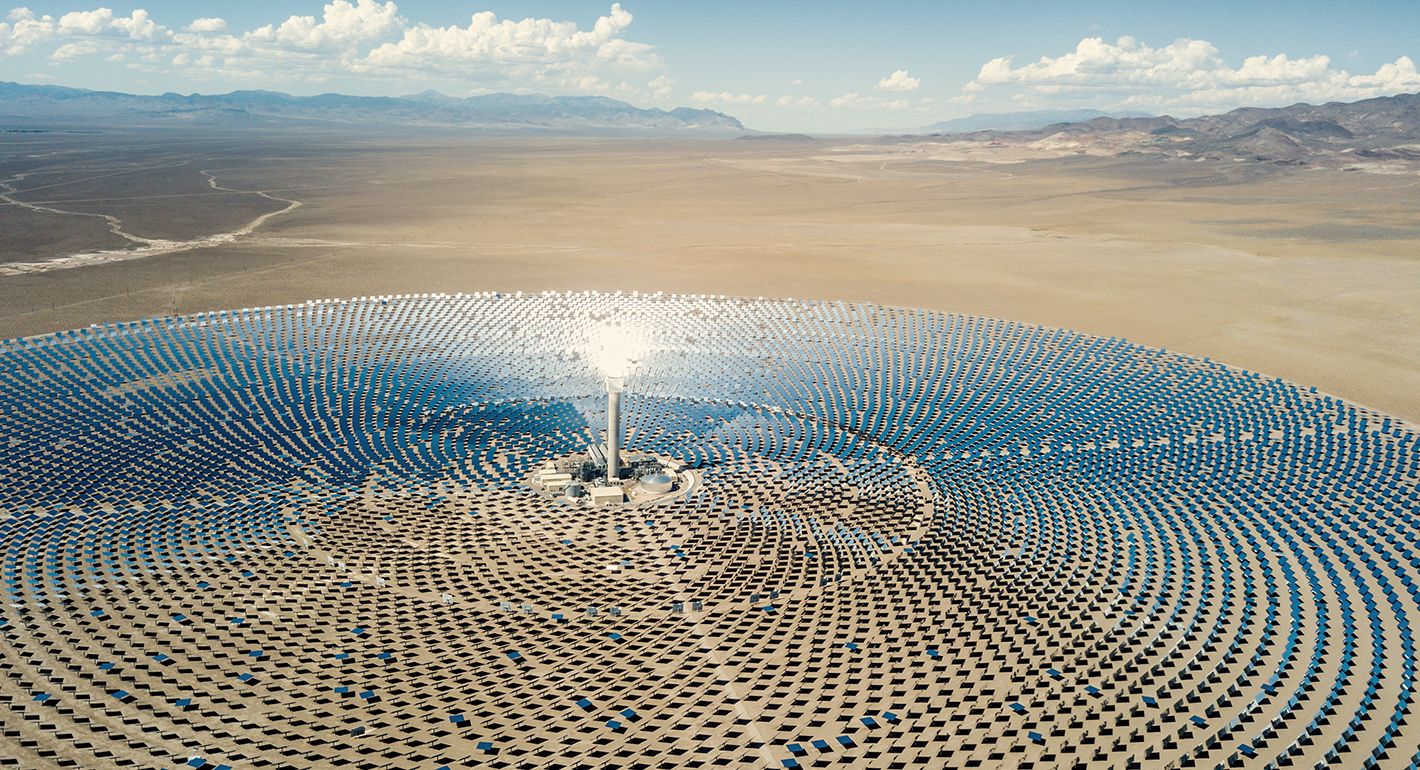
pixel 781 65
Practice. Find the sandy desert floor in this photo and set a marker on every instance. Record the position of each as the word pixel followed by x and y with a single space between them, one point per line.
pixel 1309 275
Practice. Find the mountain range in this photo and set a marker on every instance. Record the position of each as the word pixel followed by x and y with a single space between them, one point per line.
pixel 1383 130
pixel 1380 130
pixel 1020 121
pixel 27 105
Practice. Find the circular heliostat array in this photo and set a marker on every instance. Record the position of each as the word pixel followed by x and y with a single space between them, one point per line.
pixel 304 537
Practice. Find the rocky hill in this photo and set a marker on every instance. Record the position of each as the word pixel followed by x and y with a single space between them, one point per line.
pixel 1372 131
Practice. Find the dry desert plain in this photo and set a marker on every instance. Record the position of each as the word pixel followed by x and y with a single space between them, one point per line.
pixel 1310 275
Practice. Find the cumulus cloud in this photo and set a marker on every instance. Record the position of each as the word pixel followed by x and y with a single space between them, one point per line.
pixel 706 97
pixel 661 87
pixel 207 24
pixel 1186 74
pixel 369 38
pixel 800 101
pixel 857 100
pixel 343 25
pixel 74 50
pixel 899 81
pixel 542 49
pixel 22 30
pixel 101 22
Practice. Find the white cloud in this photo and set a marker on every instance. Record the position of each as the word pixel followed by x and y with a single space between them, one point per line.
pixel 367 38
pixel 791 101
pixel 23 31
pixel 859 101
pixel 542 49
pixel 1186 75
pixel 207 24
pixel 899 81
pixel 661 87
pixel 85 22
pixel 74 50
pixel 342 25
pixel 101 21
pixel 705 97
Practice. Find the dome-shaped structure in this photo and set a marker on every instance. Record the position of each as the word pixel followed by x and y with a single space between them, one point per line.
pixel 657 483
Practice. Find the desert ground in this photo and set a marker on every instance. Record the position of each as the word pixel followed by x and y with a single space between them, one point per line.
pixel 1309 275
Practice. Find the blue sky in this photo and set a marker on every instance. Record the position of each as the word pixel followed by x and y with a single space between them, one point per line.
pixel 820 66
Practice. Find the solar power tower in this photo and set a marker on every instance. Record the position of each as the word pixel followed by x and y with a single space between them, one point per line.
pixel 614 386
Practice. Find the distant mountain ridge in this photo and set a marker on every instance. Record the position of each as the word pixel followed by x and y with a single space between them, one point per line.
pixel 499 111
pixel 1370 131
pixel 1021 121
